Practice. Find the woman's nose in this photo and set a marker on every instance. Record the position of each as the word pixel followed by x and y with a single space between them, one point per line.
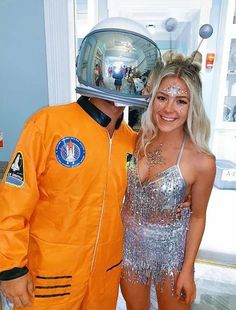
pixel 169 105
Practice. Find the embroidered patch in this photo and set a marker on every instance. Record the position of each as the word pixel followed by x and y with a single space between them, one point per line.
pixel 70 152
pixel 15 174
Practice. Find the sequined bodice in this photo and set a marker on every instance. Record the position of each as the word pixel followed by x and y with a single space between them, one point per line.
pixel 156 200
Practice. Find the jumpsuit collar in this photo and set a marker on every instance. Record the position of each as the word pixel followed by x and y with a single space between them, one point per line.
pixel 96 114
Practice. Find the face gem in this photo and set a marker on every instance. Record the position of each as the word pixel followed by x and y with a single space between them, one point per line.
pixel 180 109
pixel 174 90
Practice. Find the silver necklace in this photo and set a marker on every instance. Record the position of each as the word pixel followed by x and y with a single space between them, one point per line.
pixel 155 157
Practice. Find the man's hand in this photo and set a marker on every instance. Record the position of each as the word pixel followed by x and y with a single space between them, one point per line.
pixel 185 204
pixel 18 291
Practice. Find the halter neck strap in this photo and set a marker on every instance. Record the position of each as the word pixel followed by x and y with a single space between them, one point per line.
pixel 181 149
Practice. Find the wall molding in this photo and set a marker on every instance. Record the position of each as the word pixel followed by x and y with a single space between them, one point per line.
pixel 59 19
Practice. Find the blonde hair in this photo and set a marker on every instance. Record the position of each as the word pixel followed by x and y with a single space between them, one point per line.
pixel 197 125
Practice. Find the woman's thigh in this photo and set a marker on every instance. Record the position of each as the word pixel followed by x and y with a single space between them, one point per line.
pixel 137 296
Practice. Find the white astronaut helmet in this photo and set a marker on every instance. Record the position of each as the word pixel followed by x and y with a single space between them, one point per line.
pixel 113 50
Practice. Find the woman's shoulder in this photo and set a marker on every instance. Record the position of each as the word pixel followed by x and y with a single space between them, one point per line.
pixel 206 161
pixel 201 161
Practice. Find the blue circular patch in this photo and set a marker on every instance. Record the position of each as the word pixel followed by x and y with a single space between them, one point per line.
pixel 70 152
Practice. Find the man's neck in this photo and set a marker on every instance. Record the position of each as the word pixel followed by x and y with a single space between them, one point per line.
pixel 110 110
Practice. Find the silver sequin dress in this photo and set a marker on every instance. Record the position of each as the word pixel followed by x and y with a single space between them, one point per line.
pixel 154 240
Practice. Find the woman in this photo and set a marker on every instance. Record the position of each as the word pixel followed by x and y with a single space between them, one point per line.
pixel 172 159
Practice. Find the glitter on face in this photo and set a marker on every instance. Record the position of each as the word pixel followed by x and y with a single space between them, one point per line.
pixel 174 90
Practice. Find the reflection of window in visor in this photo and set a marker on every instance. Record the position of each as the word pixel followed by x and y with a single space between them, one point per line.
pixel 116 63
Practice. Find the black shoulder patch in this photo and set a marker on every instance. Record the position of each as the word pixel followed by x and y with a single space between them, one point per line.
pixel 130 161
pixel 129 156
pixel 15 174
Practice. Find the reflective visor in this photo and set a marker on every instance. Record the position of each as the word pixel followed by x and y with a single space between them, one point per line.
pixel 115 64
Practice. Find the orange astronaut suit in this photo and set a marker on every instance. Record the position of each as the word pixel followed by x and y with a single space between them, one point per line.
pixel 60 203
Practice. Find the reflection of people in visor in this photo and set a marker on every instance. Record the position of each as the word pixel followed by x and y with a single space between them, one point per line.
pixel 151 78
pixel 118 76
pixel 98 76
pixel 120 46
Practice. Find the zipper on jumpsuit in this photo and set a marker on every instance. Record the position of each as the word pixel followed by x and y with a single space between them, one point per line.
pixel 103 205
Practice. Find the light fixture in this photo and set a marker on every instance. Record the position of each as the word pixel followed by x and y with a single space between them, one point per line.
pixel 151 28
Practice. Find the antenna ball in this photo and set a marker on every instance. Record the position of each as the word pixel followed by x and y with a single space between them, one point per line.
pixel 206 31
pixel 171 24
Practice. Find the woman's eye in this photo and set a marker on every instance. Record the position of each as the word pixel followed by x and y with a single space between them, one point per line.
pixel 181 101
pixel 161 98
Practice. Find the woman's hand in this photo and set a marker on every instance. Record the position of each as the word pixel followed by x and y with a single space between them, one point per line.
pixel 185 287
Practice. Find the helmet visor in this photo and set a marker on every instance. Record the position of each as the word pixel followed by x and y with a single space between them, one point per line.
pixel 116 63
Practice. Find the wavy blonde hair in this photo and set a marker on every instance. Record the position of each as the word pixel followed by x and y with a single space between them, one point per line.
pixel 197 125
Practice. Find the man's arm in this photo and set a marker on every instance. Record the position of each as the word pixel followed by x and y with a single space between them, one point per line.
pixel 18 197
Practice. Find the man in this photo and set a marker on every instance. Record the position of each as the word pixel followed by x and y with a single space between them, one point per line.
pixel 60 198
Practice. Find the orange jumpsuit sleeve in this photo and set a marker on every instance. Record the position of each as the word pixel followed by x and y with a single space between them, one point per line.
pixel 18 199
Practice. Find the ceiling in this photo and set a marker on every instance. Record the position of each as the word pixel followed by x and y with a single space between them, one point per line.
pixel 153 13
pixel 156 12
